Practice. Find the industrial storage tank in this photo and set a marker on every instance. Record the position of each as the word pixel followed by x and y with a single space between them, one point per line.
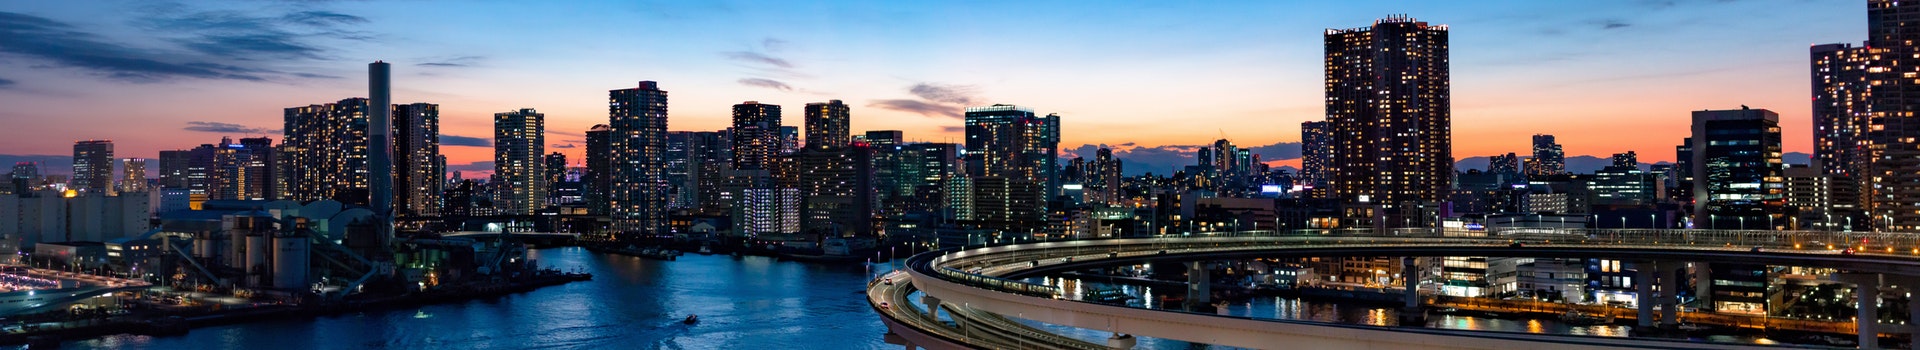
pixel 292 257
pixel 259 245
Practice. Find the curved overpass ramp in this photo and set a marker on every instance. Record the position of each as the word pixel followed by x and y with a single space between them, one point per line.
pixel 983 279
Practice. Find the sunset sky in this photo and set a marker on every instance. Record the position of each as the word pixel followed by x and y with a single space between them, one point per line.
pixel 1604 76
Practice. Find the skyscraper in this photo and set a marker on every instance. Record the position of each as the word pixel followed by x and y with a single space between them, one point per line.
pixel 1316 157
pixel 328 152
pixel 242 171
pixel 419 175
pixel 883 138
pixel 93 166
pixel 1103 178
pixel 25 177
pixel 1548 158
pixel 173 168
pixel 757 136
pixel 1840 116
pixel 519 167
pixel 1389 112
pixel 1507 166
pixel 1021 150
pixel 134 178
pixel 1737 169
pixel 637 119
pixel 1894 181
pixel 836 189
pixel 599 176
pixel 555 165
pixel 828 124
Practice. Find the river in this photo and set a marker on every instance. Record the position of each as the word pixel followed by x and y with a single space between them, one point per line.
pixel 743 303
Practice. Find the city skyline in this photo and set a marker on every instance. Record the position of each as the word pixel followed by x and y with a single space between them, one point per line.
pixel 1248 73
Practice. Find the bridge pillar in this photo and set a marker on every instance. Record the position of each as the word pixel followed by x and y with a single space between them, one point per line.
pixel 1866 293
pixel 933 306
pixel 1643 279
pixel 1410 281
pixel 896 339
pixel 1120 341
pixel 1669 294
pixel 1199 285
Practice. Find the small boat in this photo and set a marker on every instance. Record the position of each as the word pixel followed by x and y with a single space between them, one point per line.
pixel 1577 318
pixel 691 319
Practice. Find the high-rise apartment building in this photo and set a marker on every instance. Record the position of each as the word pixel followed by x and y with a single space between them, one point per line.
pixel 599 177
pixel 134 176
pixel 419 173
pixel 1389 113
pixel 828 124
pixel 1548 157
pixel 1840 116
pixel 327 152
pixel 238 171
pixel 637 119
pixel 25 177
pixel 1737 169
pixel 1316 158
pixel 519 164
pixel 1019 151
pixel 757 136
pixel 173 168
pixel 836 189
pixel 556 172
pixel 93 166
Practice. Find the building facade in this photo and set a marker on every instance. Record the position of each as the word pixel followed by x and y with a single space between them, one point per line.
pixel 1389 114
pixel 93 166
pixel 637 119
pixel 1737 169
pixel 519 161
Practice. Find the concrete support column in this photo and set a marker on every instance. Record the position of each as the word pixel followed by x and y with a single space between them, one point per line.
pixel 1410 279
pixel 1120 341
pixel 933 306
pixel 1866 293
pixel 1703 284
pixel 1867 322
pixel 1643 280
pixel 1199 285
pixel 1669 294
pixel 896 339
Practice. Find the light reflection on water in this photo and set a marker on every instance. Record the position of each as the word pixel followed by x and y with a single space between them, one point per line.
pixel 1352 313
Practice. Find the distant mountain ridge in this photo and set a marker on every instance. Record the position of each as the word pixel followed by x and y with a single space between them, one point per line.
pixel 1589 164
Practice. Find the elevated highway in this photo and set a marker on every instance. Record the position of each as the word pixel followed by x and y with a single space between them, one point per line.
pixel 988 279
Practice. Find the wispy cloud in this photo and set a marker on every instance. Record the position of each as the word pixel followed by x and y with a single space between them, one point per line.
pixel 759 58
pixel 226 128
pixel 64 45
pixel 455 62
pixel 1277 151
pixel 935 100
pixel 918 107
pixel 563 146
pixel 1614 24
pixel 465 141
pixel 766 83
pixel 4 83
pixel 951 94
pixel 193 44
pixel 247 37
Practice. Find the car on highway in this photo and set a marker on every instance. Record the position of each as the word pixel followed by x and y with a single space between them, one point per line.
pixel 885 305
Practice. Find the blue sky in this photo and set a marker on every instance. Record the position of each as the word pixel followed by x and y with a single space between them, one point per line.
pixel 1605 76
